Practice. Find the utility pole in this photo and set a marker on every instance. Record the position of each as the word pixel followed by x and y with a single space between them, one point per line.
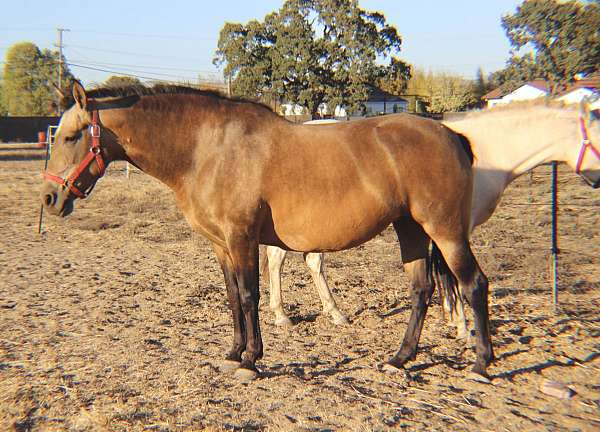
pixel 60 55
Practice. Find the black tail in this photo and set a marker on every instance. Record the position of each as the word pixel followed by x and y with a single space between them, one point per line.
pixel 466 145
pixel 440 275
pixel 438 271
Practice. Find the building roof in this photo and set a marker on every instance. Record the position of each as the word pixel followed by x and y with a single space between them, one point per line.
pixel 378 95
pixel 499 93
pixel 539 84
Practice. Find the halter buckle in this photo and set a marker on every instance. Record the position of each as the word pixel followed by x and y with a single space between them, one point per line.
pixel 95 130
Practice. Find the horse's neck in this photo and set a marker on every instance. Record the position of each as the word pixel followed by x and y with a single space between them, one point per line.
pixel 507 144
pixel 154 143
pixel 512 142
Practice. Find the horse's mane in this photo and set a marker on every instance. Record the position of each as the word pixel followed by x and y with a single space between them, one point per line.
pixel 155 89
pixel 521 105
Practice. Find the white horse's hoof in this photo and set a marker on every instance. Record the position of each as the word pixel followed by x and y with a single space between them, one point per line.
pixel 479 378
pixel 338 318
pixel 283 321
pixel 227 366
pixel 245 375
pixel 391 369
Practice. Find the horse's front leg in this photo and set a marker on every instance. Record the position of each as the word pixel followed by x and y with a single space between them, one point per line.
pixel 244 256
pixel 234 358
pixel 276 258
pixel 316 264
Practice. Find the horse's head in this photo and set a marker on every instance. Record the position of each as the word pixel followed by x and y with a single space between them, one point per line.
pixel 586 159
pixel 81 151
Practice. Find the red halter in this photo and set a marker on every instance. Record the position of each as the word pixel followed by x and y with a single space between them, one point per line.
pixel 585 145
pixel 95 153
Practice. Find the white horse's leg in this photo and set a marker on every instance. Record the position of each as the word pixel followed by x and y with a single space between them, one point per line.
pixel 315 263
pixel 276 257
pixel 457 317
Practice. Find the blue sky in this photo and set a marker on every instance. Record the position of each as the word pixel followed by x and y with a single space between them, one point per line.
pixel 176 39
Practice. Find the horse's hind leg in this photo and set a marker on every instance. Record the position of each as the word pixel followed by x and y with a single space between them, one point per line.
pixel 315 263
pixel 456 315
pixel 473 285
pixel 414 244
pixel 276 258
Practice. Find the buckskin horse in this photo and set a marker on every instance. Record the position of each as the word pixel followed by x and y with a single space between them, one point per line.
pixel 507 142
pixel 244 176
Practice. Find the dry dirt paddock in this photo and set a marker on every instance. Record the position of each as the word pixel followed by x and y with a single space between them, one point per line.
pixel 115 318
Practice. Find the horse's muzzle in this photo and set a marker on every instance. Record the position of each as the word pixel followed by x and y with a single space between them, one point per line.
pixel 55 201
pixel 592 178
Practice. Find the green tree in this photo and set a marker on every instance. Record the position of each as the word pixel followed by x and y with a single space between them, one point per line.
pixel 3 110
pixel 558 39
pixel 311 52
pixel 29 75
pixel 443 92
pixel 121 81
pixel 517 71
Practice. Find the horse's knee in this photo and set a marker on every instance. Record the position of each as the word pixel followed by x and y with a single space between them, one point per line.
pixel 314 261
pixel 248 299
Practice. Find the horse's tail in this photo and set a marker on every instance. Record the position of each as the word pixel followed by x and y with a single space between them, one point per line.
pixel 264 263
pixel 438 271
pixel 440 275
pixel 466 145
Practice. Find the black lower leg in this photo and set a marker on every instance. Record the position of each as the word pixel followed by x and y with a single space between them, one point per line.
pixel 420 296
pixel 478 298
pixel 239 329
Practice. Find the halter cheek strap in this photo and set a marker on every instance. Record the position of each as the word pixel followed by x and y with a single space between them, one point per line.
pixel 95 154
pixel 585 145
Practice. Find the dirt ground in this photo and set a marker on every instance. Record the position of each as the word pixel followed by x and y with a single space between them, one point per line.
pixel 115 318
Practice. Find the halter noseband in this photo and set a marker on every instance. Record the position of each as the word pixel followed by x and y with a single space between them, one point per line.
pixel 586 144
pixel 95 153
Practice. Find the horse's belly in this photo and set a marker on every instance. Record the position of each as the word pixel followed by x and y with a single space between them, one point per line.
pixel 323 228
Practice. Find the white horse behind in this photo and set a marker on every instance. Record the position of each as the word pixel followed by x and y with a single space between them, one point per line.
pixel 507 142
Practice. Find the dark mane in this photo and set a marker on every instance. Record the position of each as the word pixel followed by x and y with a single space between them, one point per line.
pixel 155 89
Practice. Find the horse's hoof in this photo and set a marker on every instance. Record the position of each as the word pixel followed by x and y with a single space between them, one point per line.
pixel 245 375
pixel 474 376
pixel 390 369
pixel 283 321
pixel 339 319
pixel 227 366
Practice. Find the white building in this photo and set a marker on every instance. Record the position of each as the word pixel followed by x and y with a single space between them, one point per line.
pixel 588 87
pixel 585 88
pixel 528 91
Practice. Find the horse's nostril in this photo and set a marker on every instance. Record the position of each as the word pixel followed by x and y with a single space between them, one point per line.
pixel 50 199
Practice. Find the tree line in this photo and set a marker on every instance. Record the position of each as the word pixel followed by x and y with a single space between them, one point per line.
pixel 311 52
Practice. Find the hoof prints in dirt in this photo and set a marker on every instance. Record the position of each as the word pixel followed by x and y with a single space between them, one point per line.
pixel 116 319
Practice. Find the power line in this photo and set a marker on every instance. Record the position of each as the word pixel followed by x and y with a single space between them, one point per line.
pixel 124 73
pixel 140 35
pixel 133 53
pixel 94 63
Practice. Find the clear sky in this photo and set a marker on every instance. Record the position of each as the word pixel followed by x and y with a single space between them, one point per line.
pixel 176 39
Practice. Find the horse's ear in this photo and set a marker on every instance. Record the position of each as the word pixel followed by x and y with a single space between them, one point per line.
pixel 79 95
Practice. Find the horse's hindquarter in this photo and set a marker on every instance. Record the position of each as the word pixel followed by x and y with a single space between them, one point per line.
pixel 336 186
